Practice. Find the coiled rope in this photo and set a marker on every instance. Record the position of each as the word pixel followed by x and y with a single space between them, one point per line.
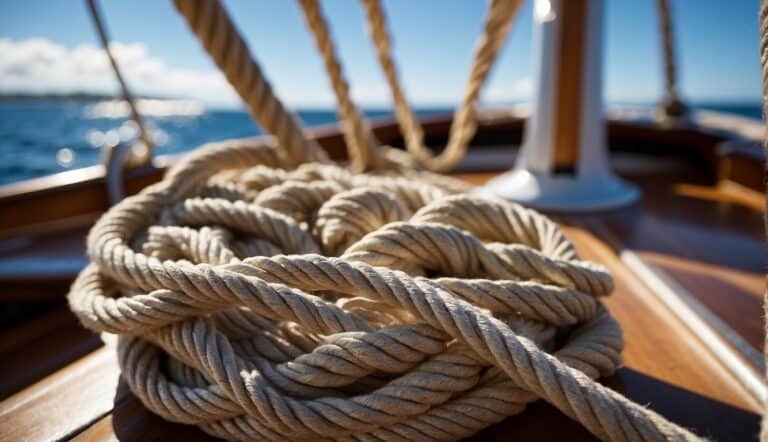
pixel 438 317
pixel 260 298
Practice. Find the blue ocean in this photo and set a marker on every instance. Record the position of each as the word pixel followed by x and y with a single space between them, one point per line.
pixel 39 137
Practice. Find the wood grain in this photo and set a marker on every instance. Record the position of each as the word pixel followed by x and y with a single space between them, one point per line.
pixel 570 73
pixel 710 242
pixel 63 403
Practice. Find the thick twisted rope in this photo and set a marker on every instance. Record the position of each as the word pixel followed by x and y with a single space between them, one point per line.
pixel 261 301
pixel 218 35
pixel 361 144
pixel 763 22
pixel 671 106
pixel 211 24
pixel 495 30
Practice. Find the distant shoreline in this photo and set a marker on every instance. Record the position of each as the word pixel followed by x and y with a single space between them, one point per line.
pixel 70 96
pixel 93 97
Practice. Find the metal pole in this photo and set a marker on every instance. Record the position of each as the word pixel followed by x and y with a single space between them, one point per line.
pixel 127 96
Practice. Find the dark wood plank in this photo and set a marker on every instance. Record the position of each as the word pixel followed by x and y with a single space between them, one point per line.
pixel 52 257
pixel 568 86
pixel 657 344
pixel 131 421
pixel 41 346
pixel 709 239
pixel 63 403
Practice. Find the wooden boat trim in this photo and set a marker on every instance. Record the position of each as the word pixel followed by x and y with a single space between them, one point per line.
pixel 718 337
pixel 743 361
pixel 82 192
pixel 741 358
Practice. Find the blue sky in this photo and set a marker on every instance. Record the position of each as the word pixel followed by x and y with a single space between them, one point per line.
pixel 433 44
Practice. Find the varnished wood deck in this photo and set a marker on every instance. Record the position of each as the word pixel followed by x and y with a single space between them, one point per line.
pixel 66 389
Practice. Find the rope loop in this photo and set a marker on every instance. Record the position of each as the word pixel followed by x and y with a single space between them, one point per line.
pixel 496 27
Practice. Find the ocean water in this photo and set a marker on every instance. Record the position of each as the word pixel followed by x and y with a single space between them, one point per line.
pixel 39 138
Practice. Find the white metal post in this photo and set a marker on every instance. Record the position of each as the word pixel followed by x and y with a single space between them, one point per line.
pixel 537 180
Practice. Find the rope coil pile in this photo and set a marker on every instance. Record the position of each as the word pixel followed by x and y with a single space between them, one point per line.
pixel 260 296
pixel 263 302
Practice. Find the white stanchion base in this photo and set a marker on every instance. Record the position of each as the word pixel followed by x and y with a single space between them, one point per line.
pixel 560 193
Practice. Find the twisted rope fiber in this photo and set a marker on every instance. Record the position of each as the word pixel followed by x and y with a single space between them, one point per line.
pixel 362 146
pixel 763 23
pixel 218 35
pixel 671 106
pixel 262 301
pixel 495 30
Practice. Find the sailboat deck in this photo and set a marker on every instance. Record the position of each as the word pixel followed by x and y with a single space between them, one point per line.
pixel 69 383
pixel 691 238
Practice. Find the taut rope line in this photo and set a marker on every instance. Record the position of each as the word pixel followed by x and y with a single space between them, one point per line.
pixel 101 31
pixel 362 146
pixel 215 30
pixel 671 106
pixel 495 30
pixel 259 298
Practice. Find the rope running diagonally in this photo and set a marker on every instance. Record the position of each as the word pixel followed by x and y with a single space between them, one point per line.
pixel 127 95
pixel 362 146
pixel 210 22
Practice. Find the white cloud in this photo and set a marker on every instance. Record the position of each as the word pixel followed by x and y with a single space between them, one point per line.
pixel 518 90
pixel 41 66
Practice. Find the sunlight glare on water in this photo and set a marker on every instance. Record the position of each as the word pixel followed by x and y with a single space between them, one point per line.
pixel 65 156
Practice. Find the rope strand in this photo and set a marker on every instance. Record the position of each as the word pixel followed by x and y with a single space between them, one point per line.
pixel 361 144
pixel 763 29
pixel 671 106
pixel 101 30
pixel 495 30
pixel 214 28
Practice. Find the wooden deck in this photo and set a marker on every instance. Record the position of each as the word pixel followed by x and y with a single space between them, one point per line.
pixel 61 382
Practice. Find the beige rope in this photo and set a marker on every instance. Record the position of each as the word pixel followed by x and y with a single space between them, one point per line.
pixel 261 301
pixel 671 106
pixel 764 68
pixel 362 146
pixel 210 22
pixel 495 30
pixel 212 25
